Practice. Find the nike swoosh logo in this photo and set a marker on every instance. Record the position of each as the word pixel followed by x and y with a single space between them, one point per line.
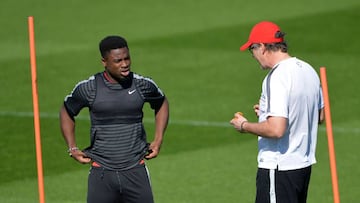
pixel 131 91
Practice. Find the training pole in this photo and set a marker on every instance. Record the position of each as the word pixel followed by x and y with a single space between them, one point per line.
pixel 329 135
pixel 36 110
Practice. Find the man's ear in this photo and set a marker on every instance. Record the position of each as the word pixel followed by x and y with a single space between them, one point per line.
pixel 262 48
pixel 103 62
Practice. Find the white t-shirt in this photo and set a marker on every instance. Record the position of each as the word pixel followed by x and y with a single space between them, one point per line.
pixel 290 90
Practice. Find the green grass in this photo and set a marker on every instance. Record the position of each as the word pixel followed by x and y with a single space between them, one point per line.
pixel 191 49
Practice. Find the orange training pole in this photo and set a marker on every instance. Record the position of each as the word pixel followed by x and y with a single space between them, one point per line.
pixel 36 110
pixel 329 135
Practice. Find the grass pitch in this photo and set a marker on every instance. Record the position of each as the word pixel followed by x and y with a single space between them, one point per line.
pixel 191 49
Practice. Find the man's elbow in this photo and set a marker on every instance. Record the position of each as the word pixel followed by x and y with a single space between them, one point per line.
pixel 277 127
pixel 278 134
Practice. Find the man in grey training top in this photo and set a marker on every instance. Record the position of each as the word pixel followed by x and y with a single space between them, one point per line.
pixel 115 99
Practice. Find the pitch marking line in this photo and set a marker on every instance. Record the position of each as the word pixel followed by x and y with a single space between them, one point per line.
pixel 176 122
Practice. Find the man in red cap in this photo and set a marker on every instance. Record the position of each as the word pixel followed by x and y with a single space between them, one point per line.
pixel 289 111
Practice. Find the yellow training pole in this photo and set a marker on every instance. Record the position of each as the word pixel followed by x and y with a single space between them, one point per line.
pixel 329 132
pixel 36 110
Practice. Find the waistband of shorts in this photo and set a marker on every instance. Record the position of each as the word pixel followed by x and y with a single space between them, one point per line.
pixel 96 165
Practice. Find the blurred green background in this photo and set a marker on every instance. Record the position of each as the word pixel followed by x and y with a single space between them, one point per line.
pixel 191 49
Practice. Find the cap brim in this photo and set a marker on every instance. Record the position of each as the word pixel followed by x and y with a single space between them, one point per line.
pixel 245 46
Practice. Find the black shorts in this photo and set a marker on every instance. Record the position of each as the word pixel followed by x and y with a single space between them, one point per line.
pixel 277 186
pixel 133 185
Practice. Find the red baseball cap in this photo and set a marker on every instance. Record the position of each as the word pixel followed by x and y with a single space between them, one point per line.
pixel 263 32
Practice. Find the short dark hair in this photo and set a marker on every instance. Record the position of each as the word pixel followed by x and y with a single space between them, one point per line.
pixel 282 46
pixel 111 42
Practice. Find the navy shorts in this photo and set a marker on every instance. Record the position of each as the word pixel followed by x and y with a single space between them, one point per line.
pixel 277 186
pixel 130 186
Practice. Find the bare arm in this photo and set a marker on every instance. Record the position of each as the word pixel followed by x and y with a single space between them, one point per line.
pixel 67 126
pixel 161 122
pixel 273 127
